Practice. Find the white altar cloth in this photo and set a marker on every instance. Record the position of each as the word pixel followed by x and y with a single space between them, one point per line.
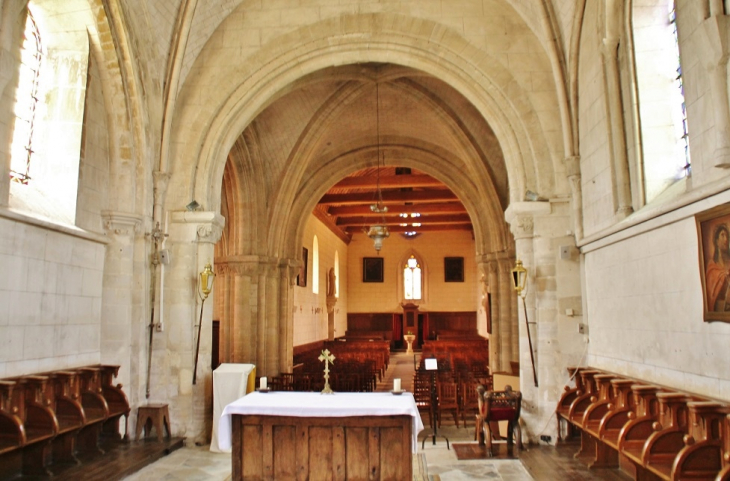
pixel 230 382
pixel 313 404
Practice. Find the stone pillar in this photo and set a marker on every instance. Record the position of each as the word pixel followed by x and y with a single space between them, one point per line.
pixel 288 270
pixel 495 345
pixel 572 167
pixel 117 321
pixel 272 318
pixel 536 407
pixel 616 134
pixel 191 241
pixel 509 337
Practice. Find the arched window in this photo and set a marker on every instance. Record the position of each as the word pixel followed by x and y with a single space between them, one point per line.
pixel 49 108
pixel 412 279
pixel 315 266
pixel 26 100
pixel 661 106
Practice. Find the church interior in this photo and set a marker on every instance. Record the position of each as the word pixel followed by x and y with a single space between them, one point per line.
pixel 536 188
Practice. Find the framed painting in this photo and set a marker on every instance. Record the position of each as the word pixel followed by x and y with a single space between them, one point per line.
pixel 713 231
pixel 372 269
pixel 302 277
pixel 453 269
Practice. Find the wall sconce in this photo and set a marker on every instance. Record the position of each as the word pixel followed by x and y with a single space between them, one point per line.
pixel 205 286
pixel 519 279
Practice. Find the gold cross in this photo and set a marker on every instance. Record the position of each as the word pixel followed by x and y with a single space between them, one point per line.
pixel 328 359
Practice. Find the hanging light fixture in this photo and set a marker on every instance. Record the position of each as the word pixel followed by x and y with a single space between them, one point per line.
pixel 380 231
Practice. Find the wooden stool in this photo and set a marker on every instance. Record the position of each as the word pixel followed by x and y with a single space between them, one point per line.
pixel 153 415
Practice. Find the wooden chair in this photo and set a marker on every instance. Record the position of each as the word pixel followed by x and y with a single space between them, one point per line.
pixel 502 406
pixel 469 400
pixel 448 399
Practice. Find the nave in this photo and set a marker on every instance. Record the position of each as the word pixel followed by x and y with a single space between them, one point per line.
pixel 433 463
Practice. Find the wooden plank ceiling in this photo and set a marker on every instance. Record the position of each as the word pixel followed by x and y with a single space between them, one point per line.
pixel 416 203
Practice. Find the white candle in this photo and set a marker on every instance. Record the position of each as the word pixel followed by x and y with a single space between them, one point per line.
pixel 396 385
pixel 262 384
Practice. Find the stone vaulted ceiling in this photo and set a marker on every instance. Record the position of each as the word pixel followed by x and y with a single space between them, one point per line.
pixel 397 115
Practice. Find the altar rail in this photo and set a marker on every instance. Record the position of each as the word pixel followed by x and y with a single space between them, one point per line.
pixel 649 431
pixel 46 419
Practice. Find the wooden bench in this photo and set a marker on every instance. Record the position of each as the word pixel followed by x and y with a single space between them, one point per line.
pixel 648 431
pixel 47 419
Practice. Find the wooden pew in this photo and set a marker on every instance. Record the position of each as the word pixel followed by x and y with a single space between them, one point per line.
pixel 650 432
pixel 701 457
pixel 724 474
pixel 566 399
pixel 662 446
pixel 46 419
pixel 12 431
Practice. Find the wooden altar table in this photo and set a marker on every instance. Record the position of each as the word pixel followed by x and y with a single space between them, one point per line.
pixel 303 435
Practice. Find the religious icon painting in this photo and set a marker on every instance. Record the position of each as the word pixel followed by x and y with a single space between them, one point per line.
pixel 713 231
pixel 372 269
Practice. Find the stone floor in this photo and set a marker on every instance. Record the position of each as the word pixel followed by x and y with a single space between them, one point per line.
pixel 198 463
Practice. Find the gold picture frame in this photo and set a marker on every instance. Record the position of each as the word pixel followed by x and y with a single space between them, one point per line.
pixel 713 233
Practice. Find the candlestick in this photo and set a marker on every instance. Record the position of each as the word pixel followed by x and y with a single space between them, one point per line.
pixel 396 385
pixel 262 383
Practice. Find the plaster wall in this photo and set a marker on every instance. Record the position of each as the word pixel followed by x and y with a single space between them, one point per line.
pixel 644 301
pixel 642 287
pixel 51 318
pixel 430 248
pixel 310 310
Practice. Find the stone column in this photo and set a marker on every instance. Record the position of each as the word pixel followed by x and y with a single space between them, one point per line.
pixel 288 270
pixel 616 130
pixel 117 321
pixel 509 337
pixel 272 318
pixel 495 345
pixel 191 241
pixel 572 167
pixel 535 408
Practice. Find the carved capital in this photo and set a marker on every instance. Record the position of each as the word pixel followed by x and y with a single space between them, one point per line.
pixel 521 217
pixel 121 223
pixel 209 232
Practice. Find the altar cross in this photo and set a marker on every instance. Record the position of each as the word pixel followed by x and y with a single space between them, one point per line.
pixel 328 358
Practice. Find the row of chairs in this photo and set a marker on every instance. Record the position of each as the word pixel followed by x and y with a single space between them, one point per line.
pixel 455 393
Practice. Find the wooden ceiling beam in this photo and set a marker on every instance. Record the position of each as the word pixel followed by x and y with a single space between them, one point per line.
pixel 387 181
pixel 395 220
pixel 430 208
pixel 389 197
pixel 425 228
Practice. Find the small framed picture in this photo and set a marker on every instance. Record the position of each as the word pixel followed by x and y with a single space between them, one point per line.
pixel 713 232
pixel 372 269
pixel 453 269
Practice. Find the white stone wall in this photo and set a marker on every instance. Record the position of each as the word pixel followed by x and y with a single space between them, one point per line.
pixel 642 287
pixel 50 291
pixel 94 163
pixel 311 326
pixel 432 247
pixel 644 300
